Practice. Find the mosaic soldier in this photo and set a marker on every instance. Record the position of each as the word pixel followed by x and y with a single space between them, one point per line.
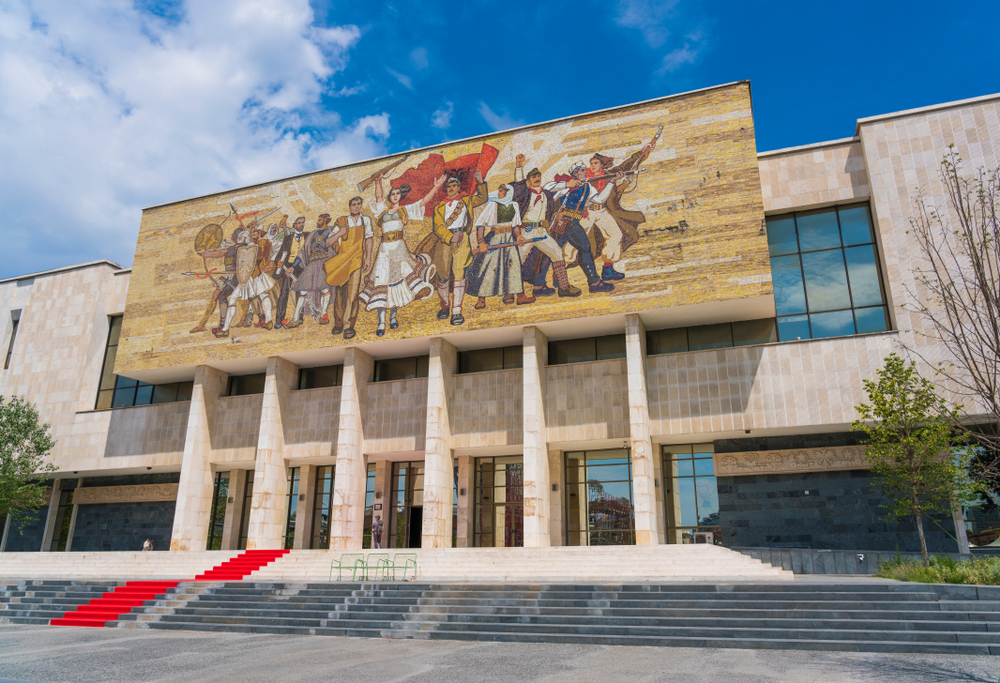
pixel 451 225
pixel 398 277
pixel 353 242
pixel 252 280
pixel 288 253
pixel 224 284
pixel 496 264
pixel 312 280
pixel 538 208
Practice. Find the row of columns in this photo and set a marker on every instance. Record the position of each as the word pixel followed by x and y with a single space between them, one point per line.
pixel 268 507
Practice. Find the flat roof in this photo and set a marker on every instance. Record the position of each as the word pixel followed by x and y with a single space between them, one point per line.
pixel 78 266
pixel 924 110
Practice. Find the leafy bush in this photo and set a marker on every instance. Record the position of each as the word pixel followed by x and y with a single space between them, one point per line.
pixel 981 571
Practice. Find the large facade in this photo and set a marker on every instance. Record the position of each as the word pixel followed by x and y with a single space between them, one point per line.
pixel 671 354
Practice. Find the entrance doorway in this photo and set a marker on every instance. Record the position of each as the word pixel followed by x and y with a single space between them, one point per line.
pixel 599 508
pixel 691 494
pixel 499 520
pixel 408 503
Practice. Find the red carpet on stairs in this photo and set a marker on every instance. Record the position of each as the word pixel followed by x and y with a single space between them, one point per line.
pixel 122 599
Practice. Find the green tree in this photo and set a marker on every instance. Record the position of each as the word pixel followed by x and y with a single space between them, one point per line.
pixel 912 446
pixel 24 444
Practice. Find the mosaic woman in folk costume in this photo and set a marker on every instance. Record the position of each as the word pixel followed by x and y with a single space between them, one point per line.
pixel 397 277
pixel 496 264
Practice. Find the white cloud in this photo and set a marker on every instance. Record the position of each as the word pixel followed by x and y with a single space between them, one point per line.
pixel 650 17
pixel 105 109
pixel 402 78
pixel 441 118
pixel 498 121
pixel 419 58
pixel 686 54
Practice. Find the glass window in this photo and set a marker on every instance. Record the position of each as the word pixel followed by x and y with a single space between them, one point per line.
pixel 326 376
pixel 322 504
pixel 827 289
pixel 165 393
pixel 487 360
pixel 293 506
pixel 13 335
pixel 691 493
pixel 666 341
pixel 610 347
pixel 747 332
pixel 245 516
pixel 599 508
pixel 393 369
pixel 513 357
pixel 572 351
pixel 366 537
pixel 704 337
pixel 499 496
pixel 245 385
pixel 217 521
pixel 781 236
pixel 115 391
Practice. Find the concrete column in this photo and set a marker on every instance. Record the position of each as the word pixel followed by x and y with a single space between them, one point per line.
pixel 383 497
pixel 348 513
pixel 194 494
pixel 537 482
pixel 234 510
pixel 72 520
pixel 439 467
pixel 53 514
pixel 661 488
pixel 269 505
pixel 465 533
pixel 304 516
pixel 643 468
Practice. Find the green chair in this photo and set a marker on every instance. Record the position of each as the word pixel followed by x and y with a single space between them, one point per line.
pixel 376 564
pixel 402 562
pixel 348 562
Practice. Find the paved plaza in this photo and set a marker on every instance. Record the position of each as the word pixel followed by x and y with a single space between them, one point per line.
pixel 53 654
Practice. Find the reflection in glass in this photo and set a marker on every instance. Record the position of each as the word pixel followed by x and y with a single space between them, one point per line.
pixel 826 281
pixel 499 495
pixel 691 492
pixel 817 230
pixel 794 327
pixel 789 295
pixel 871 320
pixel 834 324
pixel 855 225
pixel 861 268
pixel 599 507
pixel 781 236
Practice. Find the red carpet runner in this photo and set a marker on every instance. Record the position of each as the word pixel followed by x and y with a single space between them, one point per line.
pixel 123 598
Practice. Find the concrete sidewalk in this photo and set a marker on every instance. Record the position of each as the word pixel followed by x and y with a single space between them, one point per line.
pixel 51 654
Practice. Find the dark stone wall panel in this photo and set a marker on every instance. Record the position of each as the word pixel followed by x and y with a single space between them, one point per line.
pixel 28 537
pixel 123 526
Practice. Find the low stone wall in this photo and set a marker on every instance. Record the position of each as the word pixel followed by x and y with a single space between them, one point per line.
pixel 861 562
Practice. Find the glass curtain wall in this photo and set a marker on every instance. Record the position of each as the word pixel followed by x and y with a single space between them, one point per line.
pixel 499 520
pixel 599 509
pixel 691 493
pixel 408 504
pixel 293 506
pixel 217 521
pixel 370 511
pixel 321 508
pixel 245 514
pixel 64 514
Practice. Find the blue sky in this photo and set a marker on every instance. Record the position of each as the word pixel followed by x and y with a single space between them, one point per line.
pixel 107 107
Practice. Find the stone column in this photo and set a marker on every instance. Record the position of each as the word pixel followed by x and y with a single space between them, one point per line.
pixel 304 514
pixel 348 509
pixel 537 482
pixel 643 469
pixel 234 510
pixel 557 479
pixel 269 505
pixel 439 467
pixel 52 515
pixel 72 520
pixel 465 533
pixel 383 497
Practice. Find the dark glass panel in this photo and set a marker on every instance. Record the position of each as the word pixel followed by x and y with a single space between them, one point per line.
pixel 315 378
pixel 781 236
pixel 108 373
pixel 610 347
pixel 422 364
pixel 704 337
pixel 116 330
pixel 123 397
pixel 746 332
pixel 164 393
pixel 572 351
pixel 184 390
pixel 480 360
pixel 667 341
pixel 786 276
pixel 245 385
pixel 826 281
pixel 835 324
pixel 863 272
pixel 125 382
pixel 144 394
pixel 513 357
pixel 612 455
pixel 678 451
pixel 855 225
pixel 870 320
pixel 793 327
pixel 818 229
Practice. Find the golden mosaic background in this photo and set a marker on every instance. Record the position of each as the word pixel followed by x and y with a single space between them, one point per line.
pixel 703 174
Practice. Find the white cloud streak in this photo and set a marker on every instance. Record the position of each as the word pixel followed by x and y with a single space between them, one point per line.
pixel 404 80
pixel 441 118
pixel 105 109
pixel 496 121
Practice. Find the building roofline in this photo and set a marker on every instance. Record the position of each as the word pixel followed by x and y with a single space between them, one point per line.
pixel 924 110
pixel 78 266
pixel 451 142
pixel 806 148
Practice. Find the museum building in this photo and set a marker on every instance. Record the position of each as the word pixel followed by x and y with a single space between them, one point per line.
pixel 723 420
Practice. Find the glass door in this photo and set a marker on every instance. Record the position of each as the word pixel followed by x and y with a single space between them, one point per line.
pixel 245 516
pixel 218 519
pixel 499 520
pixel 408 504
pixel 691 494
pixel 321 508
pixel 599 508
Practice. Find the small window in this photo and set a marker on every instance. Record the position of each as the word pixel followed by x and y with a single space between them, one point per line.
pixel 245 385
pixel 706 337
pixel 747 332
pixel 486 360
pixel 587 350
pixel 115 391
pixel 326 376
pixel 15 319
pixel 401 368
pixel 666 341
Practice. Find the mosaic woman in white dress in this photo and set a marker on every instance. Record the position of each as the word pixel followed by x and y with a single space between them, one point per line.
pixel 397 277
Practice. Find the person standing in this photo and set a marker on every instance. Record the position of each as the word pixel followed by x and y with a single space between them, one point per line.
pixel 353 242
pixel 147 544
pixel 312 281
pixel 288 252
pixel 377 532
pixel 496 265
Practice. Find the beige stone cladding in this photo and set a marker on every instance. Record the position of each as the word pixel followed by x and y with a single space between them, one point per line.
pixel 645 495
pixel 814 175
pixel 439 462
pixel 487 409
pixel 537 475
pixel 347 514
pixel 587 401
pixel 903 152
pixel 236 429
pixel 775 386
pixel 312 424
pixel 396 416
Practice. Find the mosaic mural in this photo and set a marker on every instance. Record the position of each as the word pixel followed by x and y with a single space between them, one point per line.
pixel 641 207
